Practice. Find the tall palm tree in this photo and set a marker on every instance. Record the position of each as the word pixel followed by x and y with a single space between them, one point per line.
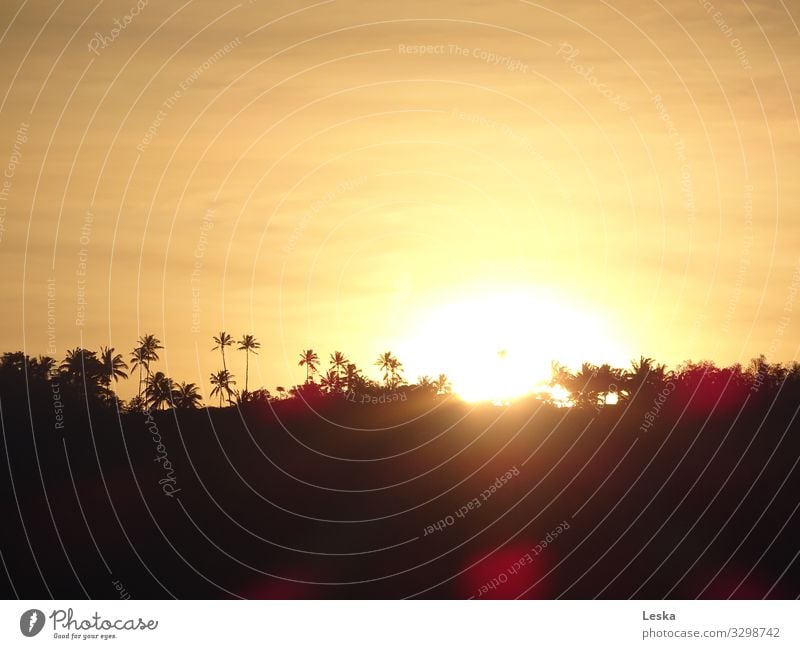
pixel 138 362
pixel 145 353
pixel 309 358
pixel 222 382
pixel 222 341
pixel 339 363
pixel 113 366
pixel 248 344
pixel 391 369
pixel 186 396
pixel 159 391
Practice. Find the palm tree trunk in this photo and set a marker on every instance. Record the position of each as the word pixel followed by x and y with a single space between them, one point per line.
pixel 246 368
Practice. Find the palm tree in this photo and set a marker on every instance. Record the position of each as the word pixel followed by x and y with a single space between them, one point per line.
pixel 339 363
pixel 309 358
pixel 145 352
pixel 584 387
pixel 113 366
pixel 81 367
pixel 426 385
pixel 186 396
pixel 159 391
pixel 138 362
pixel 391 369
pixel 331 381
pixel 353 379
pixel 443 385
pixel 223 340
pixel 222 382
pixel 41 368
pixel 645 378
pixel 248 344
pixel 607 380
pixel 150 346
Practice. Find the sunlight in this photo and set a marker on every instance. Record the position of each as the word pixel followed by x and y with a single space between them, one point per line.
pixel 498 347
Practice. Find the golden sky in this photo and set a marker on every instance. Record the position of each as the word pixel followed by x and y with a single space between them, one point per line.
pixel 337 174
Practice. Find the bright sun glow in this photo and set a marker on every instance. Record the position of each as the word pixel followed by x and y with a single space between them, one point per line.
pixel 498 347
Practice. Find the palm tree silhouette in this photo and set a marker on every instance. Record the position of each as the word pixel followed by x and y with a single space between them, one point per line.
pixel 186 396
pixel 137 362
pixel 353 379
pixel 391 369
pixel 222 382
pixel 331 381
pixel 82 369
pixel 159 391
pixel 113 366
pixel 645 378
pixel 339 363
pixel 309 358
pixel 443 385
pixel 248 344
pixel 145 352
pixel 223 340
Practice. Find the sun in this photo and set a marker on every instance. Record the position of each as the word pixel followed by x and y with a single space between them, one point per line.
pixel 499 345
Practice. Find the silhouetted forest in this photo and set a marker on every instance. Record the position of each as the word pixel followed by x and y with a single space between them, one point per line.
pixel 647 482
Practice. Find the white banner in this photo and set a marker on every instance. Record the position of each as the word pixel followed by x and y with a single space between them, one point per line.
pixel 387 624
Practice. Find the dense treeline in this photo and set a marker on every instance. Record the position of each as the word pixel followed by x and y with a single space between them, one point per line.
pixel 92 377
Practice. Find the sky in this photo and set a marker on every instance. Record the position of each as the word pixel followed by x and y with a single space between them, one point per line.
pixel 368 176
